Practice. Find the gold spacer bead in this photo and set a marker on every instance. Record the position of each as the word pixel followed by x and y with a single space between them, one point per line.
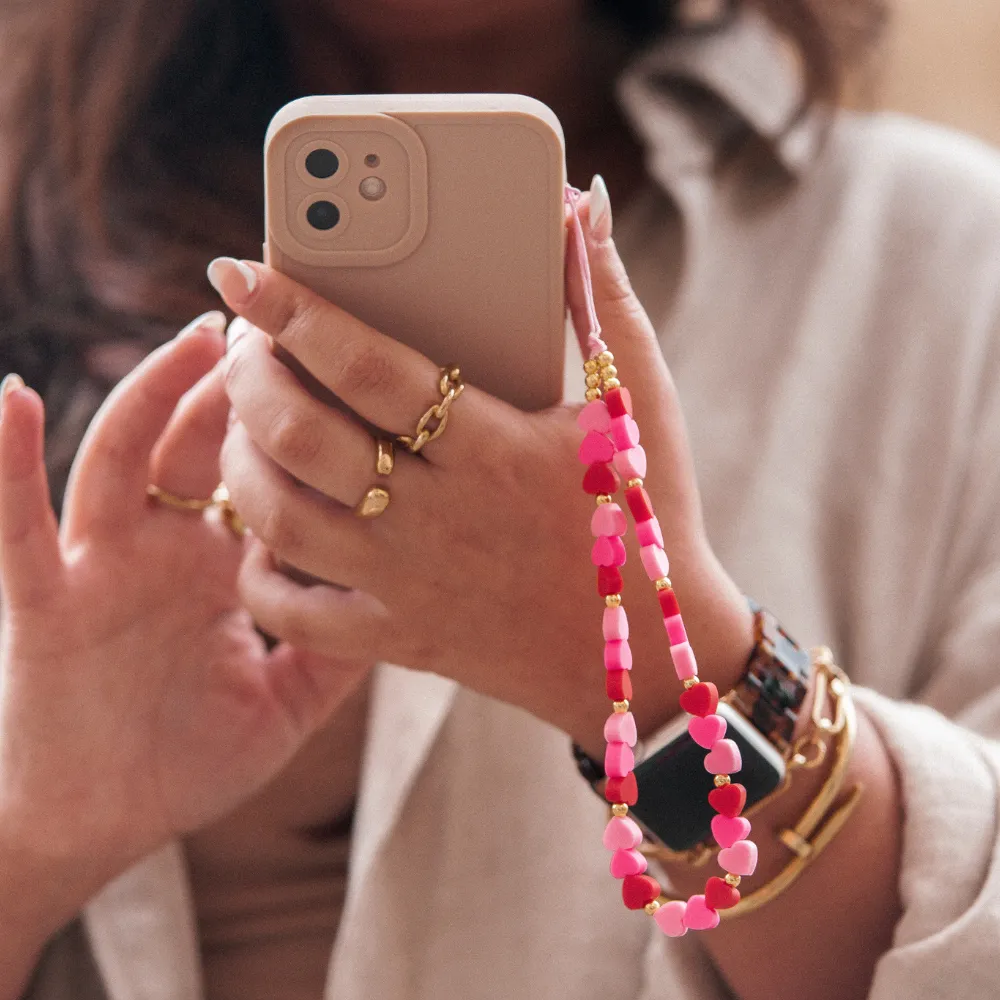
pixel 620 707
pixel 690 682
pixel 591 366
pixel 652 907
pixel 612 383
pixel 609 371
pixel 603 498
pixel 613 600
pixel 592 394
pixel 635 482
pixel 663 583
pixel 605 358
pixel 593 381
pixel 721 780
pixel 733 880
pixel 620 809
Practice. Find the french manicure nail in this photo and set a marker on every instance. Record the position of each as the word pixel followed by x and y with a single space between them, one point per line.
pixel 233 279
pixel 212 320
pixel 11 383
pixel 237 329
pixel 600 209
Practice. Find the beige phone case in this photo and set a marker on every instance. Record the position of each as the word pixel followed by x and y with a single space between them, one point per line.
pixel 449 234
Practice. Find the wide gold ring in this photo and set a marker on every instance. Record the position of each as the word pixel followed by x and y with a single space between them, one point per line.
pixel 219 500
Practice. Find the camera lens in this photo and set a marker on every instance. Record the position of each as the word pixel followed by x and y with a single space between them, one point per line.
pixel 322 163
pixel 323 215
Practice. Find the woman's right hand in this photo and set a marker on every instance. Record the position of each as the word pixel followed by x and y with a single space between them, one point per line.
pixel 137 701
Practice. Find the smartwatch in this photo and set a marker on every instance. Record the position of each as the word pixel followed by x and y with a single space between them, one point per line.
pixel 761 713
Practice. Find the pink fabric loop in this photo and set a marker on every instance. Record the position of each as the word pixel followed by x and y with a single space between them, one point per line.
pixel 594 342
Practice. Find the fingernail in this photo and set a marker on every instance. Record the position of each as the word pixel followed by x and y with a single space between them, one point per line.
pixel 233 279
pixel 238 328
pixel 600 209
pixel 11 383
pixel 212 320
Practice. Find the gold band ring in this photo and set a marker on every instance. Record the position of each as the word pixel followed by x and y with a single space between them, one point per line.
pixel 451 387
pixel 219 500
pixel 376 500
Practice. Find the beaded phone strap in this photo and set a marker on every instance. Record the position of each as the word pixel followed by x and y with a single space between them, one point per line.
pixel 611 450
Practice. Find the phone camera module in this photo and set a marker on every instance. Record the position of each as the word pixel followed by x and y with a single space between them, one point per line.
pixel 322 163
pixel 323 215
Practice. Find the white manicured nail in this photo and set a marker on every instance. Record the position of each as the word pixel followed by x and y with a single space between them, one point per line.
pixel 600 209
pixel 11 383
pixel 234 280
pixel 212 320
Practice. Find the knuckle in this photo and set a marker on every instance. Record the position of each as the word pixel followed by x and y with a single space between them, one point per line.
pixel 366 369
pixel 295 315
pixel 295 439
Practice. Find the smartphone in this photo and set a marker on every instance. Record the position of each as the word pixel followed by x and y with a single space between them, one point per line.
pixel 437 219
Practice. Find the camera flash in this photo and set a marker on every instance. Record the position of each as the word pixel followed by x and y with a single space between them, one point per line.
pixel 372 188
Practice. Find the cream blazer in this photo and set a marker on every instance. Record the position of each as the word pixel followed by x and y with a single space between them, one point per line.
pixel 835 338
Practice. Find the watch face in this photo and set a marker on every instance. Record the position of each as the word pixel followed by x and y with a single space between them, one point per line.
pixel 674 785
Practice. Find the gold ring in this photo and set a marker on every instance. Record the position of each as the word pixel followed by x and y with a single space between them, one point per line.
pixel 373 503
pixel 230 518
pixel 219 500
pixel 386 459
pixel 450 387
pixel 178 503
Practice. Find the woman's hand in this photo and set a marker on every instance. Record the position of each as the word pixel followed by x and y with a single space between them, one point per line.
pixel 137 701
pixel 479 569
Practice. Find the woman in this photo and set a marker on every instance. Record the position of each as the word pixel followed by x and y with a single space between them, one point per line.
pixel 826 301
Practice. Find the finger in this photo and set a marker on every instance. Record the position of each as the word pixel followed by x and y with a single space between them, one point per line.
pixel 107 486
pixel 348 624
pixel 185 460
pixel 316 444
pixel 301 527
pixel 30 560
pixel 383 381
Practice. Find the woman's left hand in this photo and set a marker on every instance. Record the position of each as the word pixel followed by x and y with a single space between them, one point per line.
pixel 479 569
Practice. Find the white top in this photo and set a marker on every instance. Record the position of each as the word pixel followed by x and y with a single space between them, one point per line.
pixel 835 343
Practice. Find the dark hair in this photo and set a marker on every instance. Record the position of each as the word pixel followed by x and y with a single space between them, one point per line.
pixel 131 132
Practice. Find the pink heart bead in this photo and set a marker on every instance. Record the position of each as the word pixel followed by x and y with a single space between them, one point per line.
pixel 596 447
pixel 615 624
pixel 617 655
pixel 594 417
pixel 729 829
pixel 618 552
pixel 620 728
pixel 723 758
pixel 625 863
pixel 654 561
pixel 624 432
pixel 622 834
pixel 740 859
pixel 707 731
pixel 619 760
pixel 670 918
pixel 699 916
pixel 608 519
pixel 685 665
pixel 631 462
pixel 649 532
pixel 676 632
pixel 603 552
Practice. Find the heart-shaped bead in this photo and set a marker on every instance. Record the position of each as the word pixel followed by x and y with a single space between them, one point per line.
pixel 603 552
pixel 594 417
pixel 720 895
pixel 728 829
pixel 618 685
pixel 618 550
pixel 667 598
pixel 615 624
pixel 619 760
pixel 619 402
pixel 600 478
pixel 638 890
pixel 622 790
pixel 609 580
pixel 624 432
pixel 654 562
pixel 702 699
pixel 708 731
pixel 622 834
pixel 639 503
pixel 620 728
pixel 650 533
pixel 729 799
pixel 631 463
pixel 617 655
pixel 723 758
pixel 740 859
pixel 670 918
pixel 596 447
pixel 699 916
pixel 685 665
pixel 608 519
pixel 676 632
pixel 624 863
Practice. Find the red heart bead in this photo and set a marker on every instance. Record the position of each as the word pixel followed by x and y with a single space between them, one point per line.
pixel 609 580
pixel 702 699
pixel 600 478
pixel 618 685
pixel 638 890
pixel 720 895
pixel 622 790
pixel 668 603
pixel 728 800
pixel 639 503
pixel 619 401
